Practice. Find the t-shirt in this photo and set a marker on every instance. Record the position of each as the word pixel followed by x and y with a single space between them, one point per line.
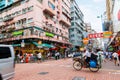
pixel 115 55
pixel 88 54
pixel 39 55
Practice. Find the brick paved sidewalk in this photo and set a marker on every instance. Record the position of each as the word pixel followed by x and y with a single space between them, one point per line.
pixel 61 70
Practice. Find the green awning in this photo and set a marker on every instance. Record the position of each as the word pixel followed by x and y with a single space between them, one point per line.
pixel 43 45
pixel 47 45
pixel 36 44
pixel 15 45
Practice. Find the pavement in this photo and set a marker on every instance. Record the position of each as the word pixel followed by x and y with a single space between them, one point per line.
pixel 62 70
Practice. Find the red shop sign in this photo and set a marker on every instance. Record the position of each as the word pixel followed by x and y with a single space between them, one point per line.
pixel 96 35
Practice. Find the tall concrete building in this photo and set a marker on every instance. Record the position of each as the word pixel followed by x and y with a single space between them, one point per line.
pixel 93 42
pixel 77 25
pixel 34 22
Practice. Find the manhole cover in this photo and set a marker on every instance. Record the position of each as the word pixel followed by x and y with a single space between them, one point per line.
pixel 78 78
pixel 43 73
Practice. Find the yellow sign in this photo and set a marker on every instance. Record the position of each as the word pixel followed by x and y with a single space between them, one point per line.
pixel 107 34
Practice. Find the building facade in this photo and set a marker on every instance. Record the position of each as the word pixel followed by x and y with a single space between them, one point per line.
pixel 38 21
pixel 115 41
pixel 92 42
pixel 77 25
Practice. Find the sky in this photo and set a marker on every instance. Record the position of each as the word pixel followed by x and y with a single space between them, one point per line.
pixel 91 9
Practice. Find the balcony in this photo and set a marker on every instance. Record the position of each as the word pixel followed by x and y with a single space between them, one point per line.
pixel 65 21
pixel 49 11
pixel 50 8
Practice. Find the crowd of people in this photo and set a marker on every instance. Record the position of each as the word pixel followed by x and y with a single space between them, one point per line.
pixel 21 57
pixel 103 56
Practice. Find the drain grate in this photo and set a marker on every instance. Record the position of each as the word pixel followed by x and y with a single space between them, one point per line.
pixel 43 73
pixel 78 78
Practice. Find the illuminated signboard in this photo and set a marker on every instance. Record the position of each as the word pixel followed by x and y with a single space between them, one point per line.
pixel 5 3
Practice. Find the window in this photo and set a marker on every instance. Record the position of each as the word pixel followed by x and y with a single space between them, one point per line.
pixel 40 1
pixel 72 18
pixel 4 52
pixel 56 29
pixel 30 8
pixel 24 11
pixel 72 35
pixel 60 30
pixel 51 5
pixel 9 0
pixel 30 20
pixel 72 23
pixel 72 29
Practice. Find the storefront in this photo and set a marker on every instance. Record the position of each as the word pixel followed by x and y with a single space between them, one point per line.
pixel 31 39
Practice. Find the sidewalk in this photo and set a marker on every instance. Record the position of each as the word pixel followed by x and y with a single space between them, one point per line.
pixel 109 65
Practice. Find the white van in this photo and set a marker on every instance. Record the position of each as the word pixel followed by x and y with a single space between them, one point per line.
pixel 7 64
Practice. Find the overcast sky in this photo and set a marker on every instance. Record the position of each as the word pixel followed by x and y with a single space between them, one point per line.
pixel 91 9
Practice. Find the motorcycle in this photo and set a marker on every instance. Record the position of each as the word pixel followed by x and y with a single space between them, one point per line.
pixel 79 63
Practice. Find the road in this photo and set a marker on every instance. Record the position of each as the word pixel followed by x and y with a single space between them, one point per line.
pixel 62 70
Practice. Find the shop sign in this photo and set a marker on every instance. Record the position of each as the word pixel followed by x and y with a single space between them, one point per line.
pixel 106 34
pixel 96 35
pixel 16 33
pixel 49 34
pixel 85 40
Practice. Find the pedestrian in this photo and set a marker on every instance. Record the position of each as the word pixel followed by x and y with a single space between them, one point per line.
pixel 100 58
pixel 39 56
pixel 48 55
pixel 115 57
pixel 118 54
pixel 106 54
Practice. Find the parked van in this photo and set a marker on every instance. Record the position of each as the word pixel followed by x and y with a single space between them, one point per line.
pixel 7 64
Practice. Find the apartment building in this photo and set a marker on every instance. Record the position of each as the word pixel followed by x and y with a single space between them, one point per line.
pixel 77 25
pixel 34 22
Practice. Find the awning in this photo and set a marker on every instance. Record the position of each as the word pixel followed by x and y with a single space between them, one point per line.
pixel 47 45
pixel 15 45
pixel 54 48
pixel 43 45
pixel 63 47
pixel 114 35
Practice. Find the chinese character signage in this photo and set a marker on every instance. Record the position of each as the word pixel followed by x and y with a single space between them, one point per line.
pixel 106 34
